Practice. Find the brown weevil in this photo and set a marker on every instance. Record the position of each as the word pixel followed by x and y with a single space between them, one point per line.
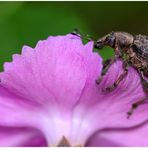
pixel 133 50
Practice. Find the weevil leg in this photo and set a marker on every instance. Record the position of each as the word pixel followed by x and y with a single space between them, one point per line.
pixel 144 82
pixel 142 101
pixel 106 65
pixel 120 78
pixel 145 86
pixel 136 105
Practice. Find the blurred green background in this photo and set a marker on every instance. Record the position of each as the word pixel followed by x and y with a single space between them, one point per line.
pixel 24 23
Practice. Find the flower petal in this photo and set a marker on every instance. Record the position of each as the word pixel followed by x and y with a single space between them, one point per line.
pixel 117 103
pixel 99 110
pixel 57 80
pixel 127 137
pixel 51 66
pixel 51 79
pixel 15 110
pixel 15 115
pixel 11 136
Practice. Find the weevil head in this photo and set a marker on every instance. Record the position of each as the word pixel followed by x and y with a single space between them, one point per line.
pixel 120 41
pixel 108 40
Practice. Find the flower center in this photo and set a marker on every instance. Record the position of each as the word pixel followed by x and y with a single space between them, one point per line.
pixel 64 142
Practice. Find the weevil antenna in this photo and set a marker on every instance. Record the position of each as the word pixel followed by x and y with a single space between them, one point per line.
pixel 76 32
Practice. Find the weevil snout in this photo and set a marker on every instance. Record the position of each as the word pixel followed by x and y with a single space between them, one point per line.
pixel 99 44
pixel 108 40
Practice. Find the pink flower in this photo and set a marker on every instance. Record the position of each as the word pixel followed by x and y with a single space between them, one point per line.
pixel 48 97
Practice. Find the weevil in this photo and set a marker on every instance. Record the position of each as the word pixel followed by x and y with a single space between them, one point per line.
pixel 133 51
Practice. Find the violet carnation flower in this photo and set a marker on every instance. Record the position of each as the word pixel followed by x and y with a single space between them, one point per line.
pixel 48 97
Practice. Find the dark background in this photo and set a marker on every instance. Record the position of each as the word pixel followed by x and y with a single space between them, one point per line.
pixel 24 23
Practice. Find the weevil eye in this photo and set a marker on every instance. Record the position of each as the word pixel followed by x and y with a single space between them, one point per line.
pixel 110 40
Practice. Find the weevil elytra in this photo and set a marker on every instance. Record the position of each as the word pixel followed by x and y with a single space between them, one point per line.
pixel 133 51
